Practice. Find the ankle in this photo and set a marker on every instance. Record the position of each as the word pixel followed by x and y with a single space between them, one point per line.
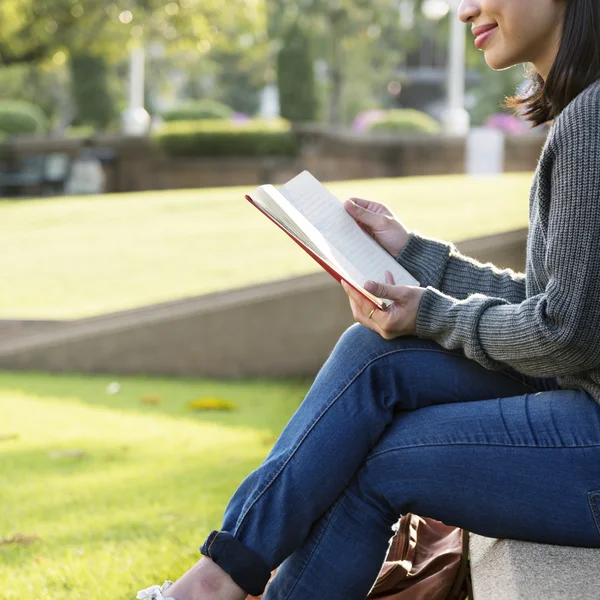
pixel 206 581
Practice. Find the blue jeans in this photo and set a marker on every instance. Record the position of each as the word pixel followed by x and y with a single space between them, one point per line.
pixel 390 427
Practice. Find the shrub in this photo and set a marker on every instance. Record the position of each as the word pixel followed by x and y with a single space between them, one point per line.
pixel 80 131
pixel 223 138
pixel 198 110
pixel 405 120
pixel 19 117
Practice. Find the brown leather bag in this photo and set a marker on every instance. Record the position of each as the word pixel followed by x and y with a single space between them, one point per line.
pixel 427 560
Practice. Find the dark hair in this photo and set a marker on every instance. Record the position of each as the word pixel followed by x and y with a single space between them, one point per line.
pixel 577 64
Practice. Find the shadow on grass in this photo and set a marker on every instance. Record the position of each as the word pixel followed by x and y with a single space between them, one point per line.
pixel 260 404
pixel 151 481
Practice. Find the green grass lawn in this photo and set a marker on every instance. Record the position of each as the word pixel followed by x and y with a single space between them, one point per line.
pixel 108 493
pixel 152 480
pixel 75 257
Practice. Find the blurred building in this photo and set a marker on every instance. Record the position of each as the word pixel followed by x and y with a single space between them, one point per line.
pixel 423 77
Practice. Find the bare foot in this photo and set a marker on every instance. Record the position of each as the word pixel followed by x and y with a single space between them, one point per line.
pixel 206 581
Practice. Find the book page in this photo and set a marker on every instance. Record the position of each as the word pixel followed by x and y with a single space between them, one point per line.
pixel 357 251
pixel 290 219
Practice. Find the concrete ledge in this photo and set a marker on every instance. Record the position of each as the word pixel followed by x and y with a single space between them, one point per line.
pixel 278 329
pixel 515 570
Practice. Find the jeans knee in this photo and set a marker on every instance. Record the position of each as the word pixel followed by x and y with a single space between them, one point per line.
pixel 373 488
pixel 358 340
pixel 360 345
pixel 358 334
pixel 356 347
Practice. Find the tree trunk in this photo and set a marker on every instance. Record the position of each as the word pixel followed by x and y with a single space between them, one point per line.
pixel 336 73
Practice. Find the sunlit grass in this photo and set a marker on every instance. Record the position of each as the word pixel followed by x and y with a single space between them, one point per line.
pixel 74 257
pixel 143 487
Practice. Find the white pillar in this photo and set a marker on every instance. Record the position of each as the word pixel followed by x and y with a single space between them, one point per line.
pixel 484 152
pixel 455 119
pixel 269 102
pixel 135 119
pixel 137 64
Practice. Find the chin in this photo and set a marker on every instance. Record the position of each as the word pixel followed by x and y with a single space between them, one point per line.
pixel 499 62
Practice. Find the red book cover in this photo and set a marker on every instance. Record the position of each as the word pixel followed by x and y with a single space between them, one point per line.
pixel 317 258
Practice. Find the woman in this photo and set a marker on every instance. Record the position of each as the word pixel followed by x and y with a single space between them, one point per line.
pixel 476 399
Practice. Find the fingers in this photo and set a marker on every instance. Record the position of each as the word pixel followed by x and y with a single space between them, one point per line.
pixel 389 278
pixel 357 298
pixel 371 206
pixel 360 306
pixel 362 214
pixel 362 202
pixel 359 316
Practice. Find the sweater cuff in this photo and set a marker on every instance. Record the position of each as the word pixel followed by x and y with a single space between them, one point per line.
pixel 454 323
pixel 425 258
pixel 434 313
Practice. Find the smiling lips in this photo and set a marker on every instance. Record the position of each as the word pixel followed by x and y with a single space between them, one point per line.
pixel 483 32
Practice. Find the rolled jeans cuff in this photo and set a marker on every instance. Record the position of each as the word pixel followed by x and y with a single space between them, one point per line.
pixel 247 569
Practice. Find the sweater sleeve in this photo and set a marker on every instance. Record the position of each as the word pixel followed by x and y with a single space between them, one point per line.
pixel 556 332
pixel 440 265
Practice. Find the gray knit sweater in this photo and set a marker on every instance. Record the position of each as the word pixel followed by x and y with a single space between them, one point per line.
pixel 545 323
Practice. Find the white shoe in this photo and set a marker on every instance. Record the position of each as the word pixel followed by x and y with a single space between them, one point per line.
pixel 155 592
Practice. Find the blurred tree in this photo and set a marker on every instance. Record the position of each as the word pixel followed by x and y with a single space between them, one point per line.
pixel 240 79
pixel 189 33
pixel 295 76
pixel 89 83
pixel 33 31
pixel 348 35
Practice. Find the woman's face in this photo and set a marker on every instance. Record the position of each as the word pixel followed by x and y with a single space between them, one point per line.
pixel 527 30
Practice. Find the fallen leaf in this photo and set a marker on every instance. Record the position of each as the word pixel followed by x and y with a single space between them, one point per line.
pixel 150 400
pixel 268 440
pixel 66 454
pixel 211 404
pixel 19 538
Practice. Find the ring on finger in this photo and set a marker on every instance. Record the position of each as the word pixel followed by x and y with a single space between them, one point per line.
pixel 371 313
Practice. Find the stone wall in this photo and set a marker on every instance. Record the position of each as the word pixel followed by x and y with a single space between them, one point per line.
pixel 329 154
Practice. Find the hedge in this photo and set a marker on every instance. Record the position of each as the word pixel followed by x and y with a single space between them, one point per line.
pixel 19 117
pixel 218 138
pixel 197 110
pixel 406 120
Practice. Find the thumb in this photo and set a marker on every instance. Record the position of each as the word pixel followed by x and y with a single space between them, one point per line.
pixel 363 215
pixel 381 290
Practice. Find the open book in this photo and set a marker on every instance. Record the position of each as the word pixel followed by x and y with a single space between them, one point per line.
pixel 315 219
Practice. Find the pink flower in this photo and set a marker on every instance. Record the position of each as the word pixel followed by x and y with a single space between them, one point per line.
pixel 366 118
pixel 505 122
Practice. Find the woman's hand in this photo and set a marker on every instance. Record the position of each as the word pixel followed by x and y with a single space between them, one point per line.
pixel 380 223
pixel 399 319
